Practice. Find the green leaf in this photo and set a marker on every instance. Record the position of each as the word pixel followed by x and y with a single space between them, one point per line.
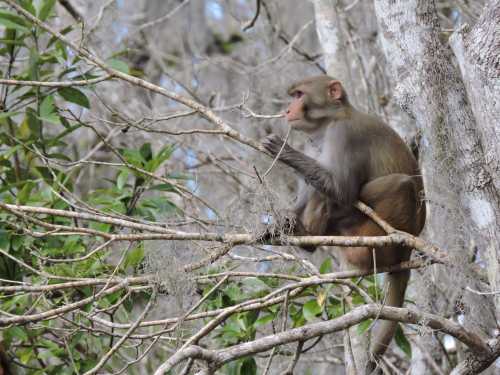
pixel 232 368
pixel 251 317
pixel 28 5
pixel 26 355
pixel 233 292
pixel 249 366
pixel 311 309
pixel 46 9
pixel 23 195
pixel 47 107
pixel 254 285
pixel 7 114
pixel 133 157
pixel 264 320
pixel 134 257
pixel 163 187
pixel 163 155
pixel 364 325
pixel 326 266
pixel 160 204
pixel 48 111
pixel 122 179
pixel 74 96
pixel 11 42
pixel 402 341
pixel 118 65
pixel 15 332
pixel 34 124
pixel 297 315
pixel 13 21
pixel 34 65
pixel 334 308
pixel 53 119
pixel 62 32
pixel 146 151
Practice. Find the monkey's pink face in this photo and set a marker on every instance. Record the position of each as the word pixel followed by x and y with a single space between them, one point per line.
pixel 295 110
pixel 295 113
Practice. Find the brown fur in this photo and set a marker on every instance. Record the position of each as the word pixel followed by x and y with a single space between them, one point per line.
pixel 360 158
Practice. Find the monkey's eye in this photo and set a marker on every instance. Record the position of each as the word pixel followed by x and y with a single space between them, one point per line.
pixel 297 94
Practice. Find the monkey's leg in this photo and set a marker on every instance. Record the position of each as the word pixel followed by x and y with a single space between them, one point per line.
pixel 394 199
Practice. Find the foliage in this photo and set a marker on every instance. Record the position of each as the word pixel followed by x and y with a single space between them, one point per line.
pixel 40 124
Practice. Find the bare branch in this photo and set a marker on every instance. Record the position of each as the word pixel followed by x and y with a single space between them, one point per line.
pixel 397 237
pixel 122 340
pixel 474 364
pixel 71 9
pixel 93 60
pixel 138 280
pixel 83 82
pixel 165 17
pixel 250 24
pixel 51 314
pixel 217 358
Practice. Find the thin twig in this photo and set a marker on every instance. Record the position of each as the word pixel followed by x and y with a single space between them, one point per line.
pixel 250 24
pixel 71 10
pixel 83 82
pixel 51 314
pixel 295 359
pixel 279 153
pixel 165 17
pixel 122 340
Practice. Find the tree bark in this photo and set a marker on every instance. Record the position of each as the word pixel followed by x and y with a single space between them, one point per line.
pixel 477 52
pixel 458 140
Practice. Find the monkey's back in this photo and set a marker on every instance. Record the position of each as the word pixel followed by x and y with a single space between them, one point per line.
pixel 387 153
pixel 390 156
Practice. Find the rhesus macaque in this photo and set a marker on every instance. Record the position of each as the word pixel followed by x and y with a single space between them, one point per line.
pixel 352 156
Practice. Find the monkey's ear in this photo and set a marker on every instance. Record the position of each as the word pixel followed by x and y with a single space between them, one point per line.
pixel 335 90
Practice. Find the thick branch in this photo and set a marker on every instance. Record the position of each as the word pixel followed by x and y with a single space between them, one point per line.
pixel 396 237
pixel 217 358
pixel 474 364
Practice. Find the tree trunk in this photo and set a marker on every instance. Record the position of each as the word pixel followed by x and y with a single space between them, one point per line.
pixel 458 142
pixel 477 52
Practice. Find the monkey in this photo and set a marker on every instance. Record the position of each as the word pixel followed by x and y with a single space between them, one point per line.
pixel 352 156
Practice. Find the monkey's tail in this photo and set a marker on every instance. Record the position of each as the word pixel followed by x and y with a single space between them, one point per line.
pixel 383 332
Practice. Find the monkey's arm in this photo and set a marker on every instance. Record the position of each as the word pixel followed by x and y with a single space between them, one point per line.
pixel 341 182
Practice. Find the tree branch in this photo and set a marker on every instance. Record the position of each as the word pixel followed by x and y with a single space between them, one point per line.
pixel 394 238
pixel 83 82
pixel 217 358
pixel 51 314
pixel 93 60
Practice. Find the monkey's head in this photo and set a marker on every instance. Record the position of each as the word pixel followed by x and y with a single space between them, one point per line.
pixel 314 102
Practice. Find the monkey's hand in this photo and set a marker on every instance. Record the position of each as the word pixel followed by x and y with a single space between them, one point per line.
pixel 273 144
